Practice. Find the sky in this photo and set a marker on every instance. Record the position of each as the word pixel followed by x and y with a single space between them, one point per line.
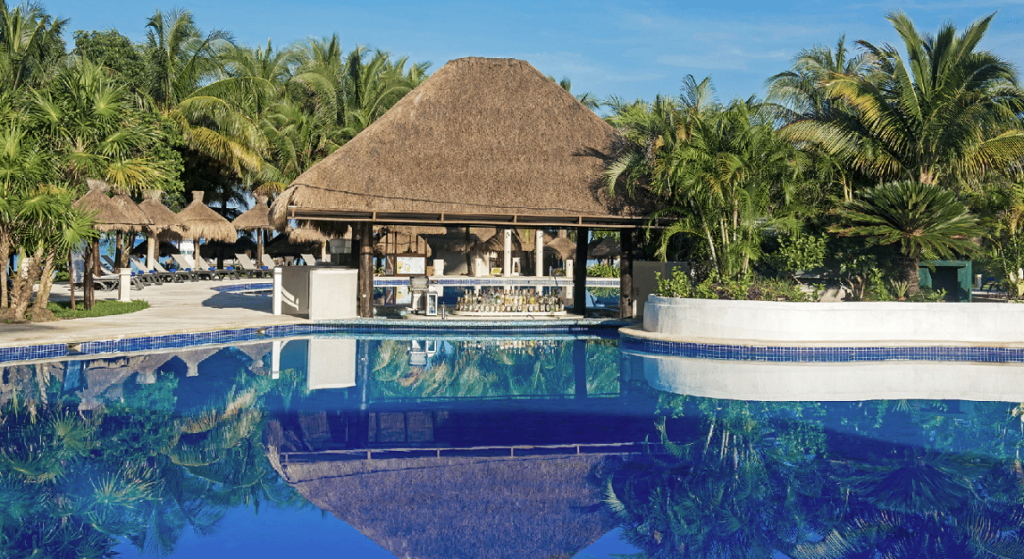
pixel 632 50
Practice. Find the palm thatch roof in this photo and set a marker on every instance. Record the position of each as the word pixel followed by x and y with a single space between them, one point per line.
pixel 112 214
pixel 306 234
pixel 561 246
pixel 164 248
pixel 496 242
pixel 162 217
pixel 204 223
pixel 405 239
pixel 282 245
pixel 422 508
pixel 257 217
pixel 483 141
pixel 458 239
pixel 607 247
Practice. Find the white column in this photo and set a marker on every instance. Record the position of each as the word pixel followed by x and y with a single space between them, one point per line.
pixel 278 274
pixel 506 270
pixel 150 251
pixel 538 247
pixel 275 359
pixel 124 285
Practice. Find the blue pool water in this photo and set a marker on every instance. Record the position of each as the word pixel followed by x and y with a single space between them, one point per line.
pixel 472 445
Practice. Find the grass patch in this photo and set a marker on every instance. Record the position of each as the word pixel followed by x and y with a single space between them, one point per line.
pixel 62 310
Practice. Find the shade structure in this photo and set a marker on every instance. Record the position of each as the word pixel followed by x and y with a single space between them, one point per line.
pixel 496 242
pixel 111 214
pixel 607 247
pixel 162 218
pixel 404 240
pixel 165 249
pixel 561 246
pixel 281 246
pixel 204 223
pixel 483 141
pixel 306 234
pixel 458 239
pixel 223 251
pixel 256 217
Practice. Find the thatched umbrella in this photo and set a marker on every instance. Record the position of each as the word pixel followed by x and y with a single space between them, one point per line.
pixel 204 223
pixel 163 248
pixel 222 250
pixel 256 219
pixel 399 239
pixel 166 224
pixel 458 239
pixel 111 214
pixel 606 248
pixel 281 246
pixel 307 233
pixel 561 246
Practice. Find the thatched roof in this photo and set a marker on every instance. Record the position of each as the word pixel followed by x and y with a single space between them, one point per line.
pixel 496 242
pixel 458 239
pixel 405 240
pixel 483 141
pixel 562 246
pixel 607 247
pixel 204 223
pixel 112 214
pixel 257 217
pixel 164 248
pixel 281 245
pixel 420 508
pixel 163 218
pixel 306 234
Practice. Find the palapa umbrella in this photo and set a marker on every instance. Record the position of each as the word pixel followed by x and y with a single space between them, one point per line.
pixel 496 243
pixel 204 223
pixel 282 245
pixel 561 246
pixel 166 224
pixel 221 250
pixel 457 239
pixel 164 248
pixel 606 248
pixel 307 233
pixel 111 214
pixel 256 219
pixel 400 239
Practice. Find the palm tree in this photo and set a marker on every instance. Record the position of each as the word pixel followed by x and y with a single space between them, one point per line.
pixel 588 99
pixel 947 115
pixel 924 221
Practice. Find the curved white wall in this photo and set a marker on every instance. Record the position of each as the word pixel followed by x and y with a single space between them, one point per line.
pixel 670 318
pixel 834 382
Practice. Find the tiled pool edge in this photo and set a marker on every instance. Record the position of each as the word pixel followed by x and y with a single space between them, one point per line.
pixel 631 343
pixel 174 341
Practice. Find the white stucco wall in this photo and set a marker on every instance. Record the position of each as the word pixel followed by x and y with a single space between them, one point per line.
pixel 848 322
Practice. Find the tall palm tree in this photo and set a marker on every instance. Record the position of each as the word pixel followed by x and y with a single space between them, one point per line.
pixel 922 221
pixel 946 115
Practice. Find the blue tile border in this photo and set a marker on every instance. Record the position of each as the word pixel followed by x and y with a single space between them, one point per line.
pixel 818 354
pixel 355 326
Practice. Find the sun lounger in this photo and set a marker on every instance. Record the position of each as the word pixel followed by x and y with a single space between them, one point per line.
pixel 268 262
pixel 249 268
pixel 309 259
pixel 186 266
pixel 137 281
pixel 177 276
pixel 158 276
pixel 218 273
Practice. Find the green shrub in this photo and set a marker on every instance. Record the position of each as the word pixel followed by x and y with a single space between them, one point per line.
pixel 603 271
pixel 798 253
pixel 677 285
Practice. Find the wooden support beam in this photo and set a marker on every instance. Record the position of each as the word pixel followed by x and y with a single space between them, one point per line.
pixel 579 288
pixel 365 234
pixel 626 274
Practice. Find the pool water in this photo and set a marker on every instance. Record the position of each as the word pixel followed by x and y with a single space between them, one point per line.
pixel 468 445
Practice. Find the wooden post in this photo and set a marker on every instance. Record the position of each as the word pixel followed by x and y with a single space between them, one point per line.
pixel 95 263
pixel 365 232
pixel 626 274
pixel 579 287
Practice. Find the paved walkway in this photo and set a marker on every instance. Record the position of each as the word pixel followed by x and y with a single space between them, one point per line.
pixel 175 308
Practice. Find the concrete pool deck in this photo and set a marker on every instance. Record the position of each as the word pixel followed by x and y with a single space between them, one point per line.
pixel 175 308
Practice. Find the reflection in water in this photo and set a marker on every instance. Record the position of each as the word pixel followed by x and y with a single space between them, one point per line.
pixel 472 447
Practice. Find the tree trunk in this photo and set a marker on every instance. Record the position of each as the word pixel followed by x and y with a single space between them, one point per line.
pixel 96 258
pixel 23 284
pixel 71 278
pixel 5 257
pixel 118 249
pixel 45 281
pixel 910 275
pixel 88 287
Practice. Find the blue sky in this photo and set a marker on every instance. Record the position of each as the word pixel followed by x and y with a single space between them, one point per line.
pixel 629 49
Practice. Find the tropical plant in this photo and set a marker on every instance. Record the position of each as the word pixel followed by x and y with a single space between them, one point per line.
pixel 921 221
pixel 946 115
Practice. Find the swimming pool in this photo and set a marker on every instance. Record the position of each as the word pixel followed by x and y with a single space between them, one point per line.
pixel 479 445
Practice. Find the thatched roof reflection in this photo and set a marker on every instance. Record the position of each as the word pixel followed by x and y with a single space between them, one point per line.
pixel 482 136
pixel 422 508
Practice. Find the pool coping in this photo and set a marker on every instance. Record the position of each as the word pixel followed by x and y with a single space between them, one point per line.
pixel 190 338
